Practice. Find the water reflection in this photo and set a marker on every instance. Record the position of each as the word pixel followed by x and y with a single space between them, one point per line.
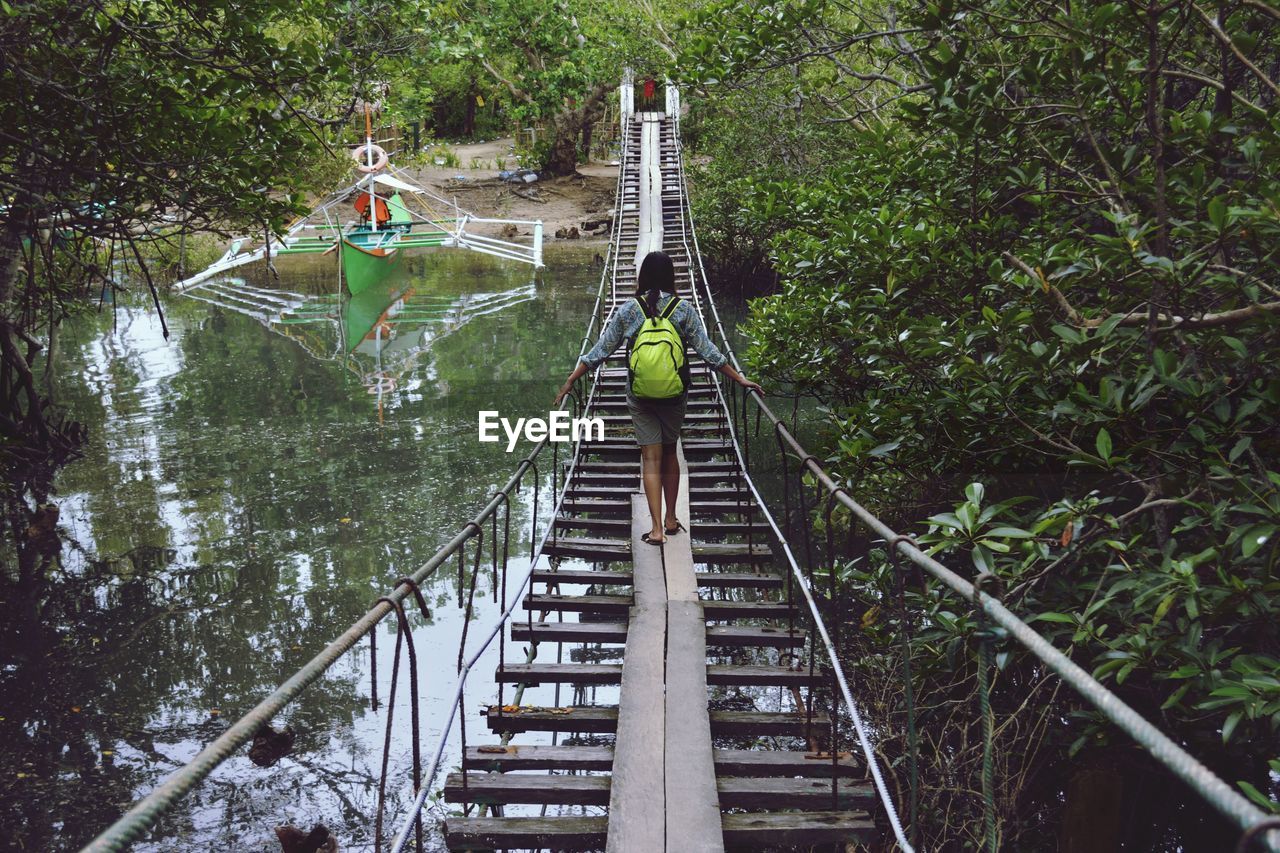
pixel 379 335
pixel 244 498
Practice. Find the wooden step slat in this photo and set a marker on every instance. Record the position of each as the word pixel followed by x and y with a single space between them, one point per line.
pixel 615 605
pixel 560 673
pixel 767 794
pixel 540 757
pixel 698 492
pixel 596 550
pixel 595 525
pixel 535 789
pixel 598 507
pixel 720 636
pixel 618 605
pixel 765 724
pixel 797 829
pixel 755 793
pixel 698 448
pixel 630 480
pixel 780 762
pixel 755 675
pixel 581 578
pixel 569 632
pixel 730 552
pixel 598 719
pixel 703 402
pixel 710 580
pixel 729 762
pixel 603 673
pixel 705 527
pixel 610 550
pixel 633 468
pixel 738 636
pixel 739 580
pixel 705 507
pixel 526 833
pixel 622 428
pixel 691 418
pixel 705 392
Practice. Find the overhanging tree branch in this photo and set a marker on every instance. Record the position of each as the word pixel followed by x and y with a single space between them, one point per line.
pixel 1165 322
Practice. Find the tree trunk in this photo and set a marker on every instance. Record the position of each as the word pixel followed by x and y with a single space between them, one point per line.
pixel 469 124
pixel 34 443
pixel 566 128
pixel 562 150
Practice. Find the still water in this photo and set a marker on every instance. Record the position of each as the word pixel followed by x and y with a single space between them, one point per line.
pixel 251 486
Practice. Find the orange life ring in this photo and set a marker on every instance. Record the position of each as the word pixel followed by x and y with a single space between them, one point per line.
pixel 361 156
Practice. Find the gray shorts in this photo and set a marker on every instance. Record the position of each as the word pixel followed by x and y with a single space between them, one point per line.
pixel 656 421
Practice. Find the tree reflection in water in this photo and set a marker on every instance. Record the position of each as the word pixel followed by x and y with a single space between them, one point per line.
pixel 241 502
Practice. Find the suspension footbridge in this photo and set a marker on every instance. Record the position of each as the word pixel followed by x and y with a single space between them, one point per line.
pixel 675 611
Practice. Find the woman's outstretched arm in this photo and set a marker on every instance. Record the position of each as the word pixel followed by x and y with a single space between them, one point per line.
pixel 610 338
pixel 728 370
pixel 695 334
pixel 579 369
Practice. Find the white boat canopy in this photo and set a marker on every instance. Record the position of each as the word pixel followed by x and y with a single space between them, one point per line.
pixel 396 183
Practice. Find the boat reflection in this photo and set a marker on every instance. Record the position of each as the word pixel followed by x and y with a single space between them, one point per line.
pixel 380 335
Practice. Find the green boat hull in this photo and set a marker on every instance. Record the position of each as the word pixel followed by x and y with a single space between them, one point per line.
pixel 368 258
pixel 365 309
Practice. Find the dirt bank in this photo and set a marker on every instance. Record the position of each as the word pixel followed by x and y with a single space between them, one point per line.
pixel 583 201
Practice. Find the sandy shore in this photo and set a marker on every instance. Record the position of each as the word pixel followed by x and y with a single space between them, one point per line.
pixel 573 202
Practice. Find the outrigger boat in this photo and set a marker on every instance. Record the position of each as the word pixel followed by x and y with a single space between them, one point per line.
pixel 392 214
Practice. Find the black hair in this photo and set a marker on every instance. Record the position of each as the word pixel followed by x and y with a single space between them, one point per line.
pixel 657 276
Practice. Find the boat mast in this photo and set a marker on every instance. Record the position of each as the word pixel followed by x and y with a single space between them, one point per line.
pixel 368 151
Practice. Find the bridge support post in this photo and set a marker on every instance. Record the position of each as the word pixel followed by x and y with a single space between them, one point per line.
pixel 626 98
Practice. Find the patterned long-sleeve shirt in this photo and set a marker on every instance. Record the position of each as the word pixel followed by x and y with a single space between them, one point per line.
pixel 628 319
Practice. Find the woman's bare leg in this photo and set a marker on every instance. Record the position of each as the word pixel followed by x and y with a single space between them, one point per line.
pixel 651 474
pixel 670 483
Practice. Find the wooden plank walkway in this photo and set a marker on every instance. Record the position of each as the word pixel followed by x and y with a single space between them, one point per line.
pixel 668 769
pixel 637 807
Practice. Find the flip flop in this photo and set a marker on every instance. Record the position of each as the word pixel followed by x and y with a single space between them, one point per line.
pixel 645 539
pixel 672 531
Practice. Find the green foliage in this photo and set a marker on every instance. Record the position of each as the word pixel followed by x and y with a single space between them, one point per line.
pixel 141 106
pixel 1036 250
pixel 553 62
pixel 443 155
pixel 128 123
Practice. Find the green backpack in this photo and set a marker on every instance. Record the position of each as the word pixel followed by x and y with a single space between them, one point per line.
pixel 655 356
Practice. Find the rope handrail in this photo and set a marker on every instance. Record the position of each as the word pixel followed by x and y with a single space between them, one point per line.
pixel 1228 802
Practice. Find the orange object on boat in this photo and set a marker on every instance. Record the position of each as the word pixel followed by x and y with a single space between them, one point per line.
pixel 362 208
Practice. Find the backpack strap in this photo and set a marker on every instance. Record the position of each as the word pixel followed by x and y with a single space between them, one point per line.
pixel 671 308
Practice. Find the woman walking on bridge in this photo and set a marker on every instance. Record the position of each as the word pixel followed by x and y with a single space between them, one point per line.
pixel 657 326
